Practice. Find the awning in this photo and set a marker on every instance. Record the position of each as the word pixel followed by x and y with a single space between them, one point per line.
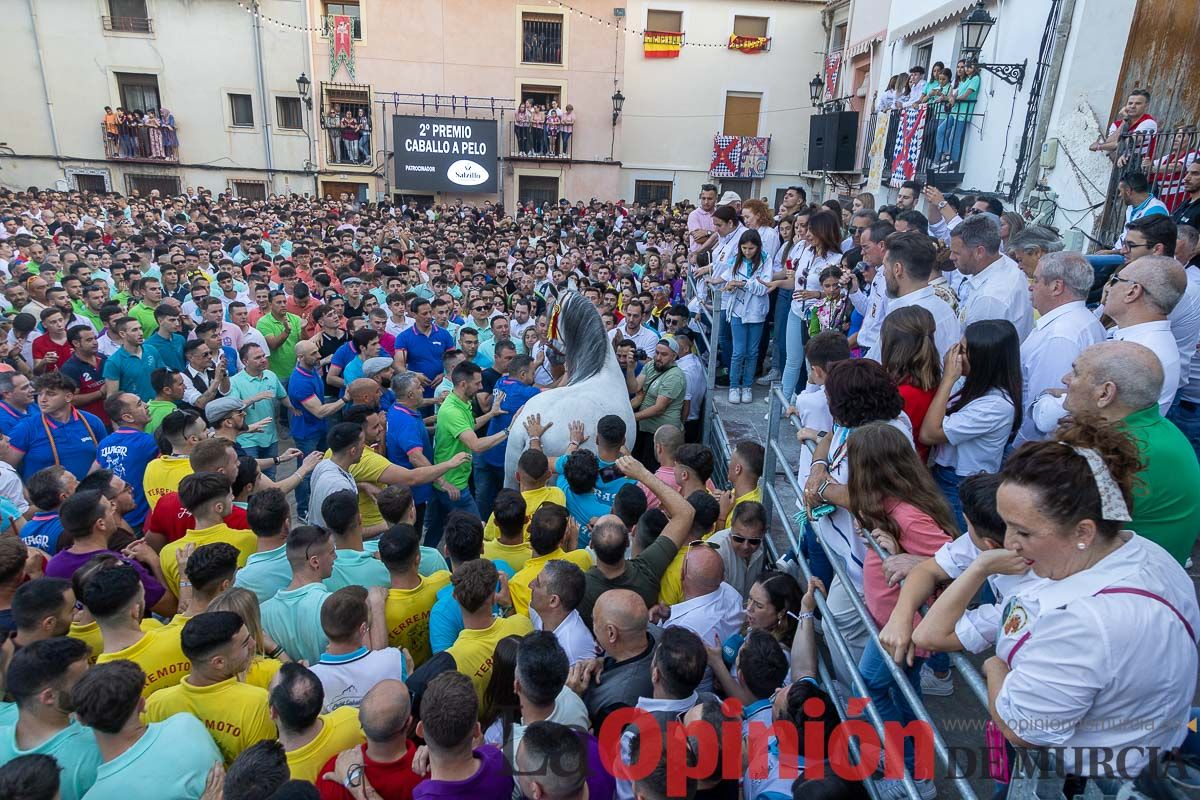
pixel 860 47
pixel 942 13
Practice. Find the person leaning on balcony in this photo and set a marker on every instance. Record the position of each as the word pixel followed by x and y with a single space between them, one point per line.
pixel 566 128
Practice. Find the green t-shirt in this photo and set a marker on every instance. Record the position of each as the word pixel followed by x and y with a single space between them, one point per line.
pixel 282 359
pixel 145 315
pixel 966 107
pixel 673 384
pixel 357 568
pixel 158 410
pixel 454 417
pixel 75 750
pixel 1166 507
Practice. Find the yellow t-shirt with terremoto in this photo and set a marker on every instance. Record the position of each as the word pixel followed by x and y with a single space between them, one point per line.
pixel 474 648
pixel 89 634
pixel 340 731
pixel 235 714
pixel 160 656
pixel 408 615
pixel 518 585
pixel 533 501
pixel 245 541
pixel 163 475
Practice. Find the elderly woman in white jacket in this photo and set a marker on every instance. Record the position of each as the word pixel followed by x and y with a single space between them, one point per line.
pixel 743 280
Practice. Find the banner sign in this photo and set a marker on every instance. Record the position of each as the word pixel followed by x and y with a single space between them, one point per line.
pixel 833 64
pixel 749 44
pixel 875 153
pixel 661 44
pixel 444 154
pixel 739 156
pixel 341 45
pixel 907 152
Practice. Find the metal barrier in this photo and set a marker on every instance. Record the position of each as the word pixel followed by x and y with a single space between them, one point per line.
pixel 1163 157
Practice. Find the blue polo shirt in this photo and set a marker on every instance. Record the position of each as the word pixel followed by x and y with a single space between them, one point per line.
pixel 75 441
pixel 169 351
pixel 302 385
pixel 406 432
pixel 608 483
pixel 9 417
pixel 516 394
pixel 126 452
pixel 424 352
pixel 131 372
pixel 43 531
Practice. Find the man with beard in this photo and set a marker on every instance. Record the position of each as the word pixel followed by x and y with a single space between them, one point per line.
pixel 907 265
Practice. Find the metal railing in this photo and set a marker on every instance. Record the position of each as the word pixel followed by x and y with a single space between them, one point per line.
pixel 541 41
pixel 141 143
pixel 1163 157
pixel 943 142
pixel 542 142
pixel 128 24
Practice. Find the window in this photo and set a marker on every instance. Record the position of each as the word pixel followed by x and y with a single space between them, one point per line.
pixel 750 26
pixel 537 189
pixel 337 102
pixel 646 192
pixel 241 110
pixel 839 38
pixel 138 92
pixel 288 110
pixel 665 21
pixel 741 113
pixel 744 187
pixel 923 55
pixel 343 10
pixel 779 193
pixel 89 180
pixel 128 16
pixel 541 38
pixel 541 95
pixel 250 190
pixel 166 185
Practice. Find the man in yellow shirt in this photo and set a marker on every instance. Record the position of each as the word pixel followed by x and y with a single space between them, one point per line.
pixel 552 535
pixel 115 598
pixel 708 511
pixel 219 647
pixel 745 472
pixel 209 498
pixel 164 473
pixel 512 543
pixel 533 471
pixel 309 737
pixel 411 597
pixel 474 591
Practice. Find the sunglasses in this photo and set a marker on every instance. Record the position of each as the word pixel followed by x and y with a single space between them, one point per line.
pixel 746 540
pixel 702 543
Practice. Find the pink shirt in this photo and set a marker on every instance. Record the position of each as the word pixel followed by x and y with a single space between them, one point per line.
pixel 919 536
pixel 667 476
pixel 699 219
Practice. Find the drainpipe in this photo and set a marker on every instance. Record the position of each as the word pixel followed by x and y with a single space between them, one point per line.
pixel 1061 38
pixel 262 99
pixel 314 121
pixel 37 48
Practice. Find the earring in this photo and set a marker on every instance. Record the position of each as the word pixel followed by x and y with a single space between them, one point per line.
pixel 1081 545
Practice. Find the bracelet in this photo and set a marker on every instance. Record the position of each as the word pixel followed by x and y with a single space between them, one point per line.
pixel 276 652
pixel 531 438
pixel 821 490
pixel 276 460
pixel 803 615
pixel 824 463
pixel 185 584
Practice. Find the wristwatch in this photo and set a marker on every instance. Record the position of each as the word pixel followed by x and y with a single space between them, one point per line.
pixel 941 204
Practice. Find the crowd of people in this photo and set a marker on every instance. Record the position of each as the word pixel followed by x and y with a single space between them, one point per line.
pixel 260 540
pixel 949 97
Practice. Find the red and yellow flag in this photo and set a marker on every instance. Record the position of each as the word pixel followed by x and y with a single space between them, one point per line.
pixel 748 44
pixel 662 44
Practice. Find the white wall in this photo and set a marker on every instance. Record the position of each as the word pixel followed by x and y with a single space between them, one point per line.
pixel 674 107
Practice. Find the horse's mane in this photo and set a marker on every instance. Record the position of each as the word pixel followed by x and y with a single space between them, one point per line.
pixel 585 341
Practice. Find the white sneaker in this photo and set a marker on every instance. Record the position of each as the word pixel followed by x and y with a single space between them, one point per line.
pixel 893 789
pixel 931 684
pixel 735 395
pixel 747 395
pixel 769 378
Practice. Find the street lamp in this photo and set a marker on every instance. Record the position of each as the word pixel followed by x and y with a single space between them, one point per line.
pixel 815 89
pixel 304 86
pixel 618 101
pixel 973 32
pixel 304 89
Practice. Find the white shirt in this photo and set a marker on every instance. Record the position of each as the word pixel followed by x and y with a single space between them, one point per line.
pixel 809 267
pixel 719 613
pixel 1083 663
pixel 1158 337
pixel 1185 327
pixel 873 308
pixel 650 705
pixel 697 383
pixel 517 329
pixel 397 328
pixel 1047 354
pixel 645 338
pixel 569 710
pixel 346 678
pixel 253 335
pixel 940 229
pixel 751 302
pixel 947 331
pixel 11 486
pixel 572 634
pixel 1000 291
pixel 977 434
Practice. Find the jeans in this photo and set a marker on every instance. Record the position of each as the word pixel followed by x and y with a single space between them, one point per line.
pixel 794 369
pixel 885 692
pixel 849 624
pixel 564 141
pixel 947 480
pixel 725 342
pixel 270 451
pixel 950 135
pixel 440 507
pixel 783 312
pixel 306 445
pixel 1186 416
pixel 746 336
pixel 522 138
pixel 814 553
pixel 489 481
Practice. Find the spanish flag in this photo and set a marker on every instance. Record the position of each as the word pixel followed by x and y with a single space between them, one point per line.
pixel 661 44
pixel 749 44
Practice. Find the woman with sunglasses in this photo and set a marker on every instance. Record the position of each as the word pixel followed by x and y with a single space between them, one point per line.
pixel 772 607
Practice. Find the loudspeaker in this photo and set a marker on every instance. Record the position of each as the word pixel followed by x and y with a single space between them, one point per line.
pixel 832 141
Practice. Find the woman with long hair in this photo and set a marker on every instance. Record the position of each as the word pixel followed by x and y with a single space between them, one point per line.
pixel 973 424
pixel 781 298
pixel 268 656
pixel 771 607
pixel 823 251
pixel 745 303
pixel 501 706
pixel 895 500
pixel 862 200
pixel 908 353
pixel 1011 223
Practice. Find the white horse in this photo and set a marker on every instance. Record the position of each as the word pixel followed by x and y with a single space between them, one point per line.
pixel 596 388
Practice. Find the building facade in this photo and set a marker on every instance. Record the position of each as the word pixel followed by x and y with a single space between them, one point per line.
pixel 227 79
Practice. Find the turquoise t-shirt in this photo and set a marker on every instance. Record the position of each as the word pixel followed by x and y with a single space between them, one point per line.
pixel 293 618
pixel 244 386
pixel 265 573
pixel 173 756
pixel 356 568
pixel 74 748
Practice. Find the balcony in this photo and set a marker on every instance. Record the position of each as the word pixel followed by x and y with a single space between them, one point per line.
pixel 934 146
pixel 135 144
pixel 1163 157
pixel 128 24
pixel 347 152
pixel 539 144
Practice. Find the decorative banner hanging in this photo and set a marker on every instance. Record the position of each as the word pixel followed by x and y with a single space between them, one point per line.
pixel 833 63
pixel 739 156
pixel 341 45
pixel 875 153
pixel 662 44
pixel 749 44
pixel 755 150
pixel 909 136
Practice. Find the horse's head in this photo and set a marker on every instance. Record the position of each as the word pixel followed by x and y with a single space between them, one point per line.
pixel 585 342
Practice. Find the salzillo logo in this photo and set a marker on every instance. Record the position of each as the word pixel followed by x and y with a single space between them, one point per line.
pixel 467 173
